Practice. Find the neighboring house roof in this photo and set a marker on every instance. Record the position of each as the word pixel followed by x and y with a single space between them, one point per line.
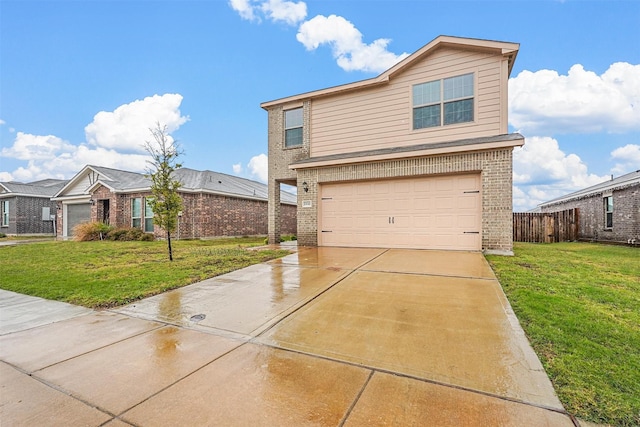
pixel 46 188
pixel 193 181
pixel 618 183
pixel 507 49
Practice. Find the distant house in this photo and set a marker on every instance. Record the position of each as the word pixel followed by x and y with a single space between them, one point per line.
pixel 214 204
pixel 417 157
pixel 608 212
pixel 27 209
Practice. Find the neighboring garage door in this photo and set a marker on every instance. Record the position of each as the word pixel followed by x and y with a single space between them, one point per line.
pixel 443 212
pixel 77 214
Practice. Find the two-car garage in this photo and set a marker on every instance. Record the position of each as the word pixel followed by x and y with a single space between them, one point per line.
pixel 427 212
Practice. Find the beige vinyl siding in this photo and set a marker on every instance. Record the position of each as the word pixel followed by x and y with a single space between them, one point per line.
pixel 381 117
pixel 80 187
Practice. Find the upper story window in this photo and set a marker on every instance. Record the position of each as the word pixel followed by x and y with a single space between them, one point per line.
pixel 608 212
pixel 293 127
pixel 443 102
pixel 4 208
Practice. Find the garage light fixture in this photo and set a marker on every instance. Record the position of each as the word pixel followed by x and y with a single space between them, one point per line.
pixel 305 187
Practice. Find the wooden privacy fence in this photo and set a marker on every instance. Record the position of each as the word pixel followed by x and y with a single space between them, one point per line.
pixel 547 227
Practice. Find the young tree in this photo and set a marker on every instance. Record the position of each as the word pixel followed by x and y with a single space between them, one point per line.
pixel 166 202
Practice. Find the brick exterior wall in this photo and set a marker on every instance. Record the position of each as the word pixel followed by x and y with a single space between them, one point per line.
pixel 591 215
pixel 25 216
pixel 203 215
pixel 279 160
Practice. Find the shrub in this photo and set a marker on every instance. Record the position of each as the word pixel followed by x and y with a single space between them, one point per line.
pixel 130 234
pixel 88 231
pixel 2 235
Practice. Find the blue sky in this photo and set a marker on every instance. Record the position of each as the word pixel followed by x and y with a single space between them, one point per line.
pixel 81 82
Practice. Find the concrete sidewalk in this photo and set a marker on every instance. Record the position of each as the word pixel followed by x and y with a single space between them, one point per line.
pixel 325 336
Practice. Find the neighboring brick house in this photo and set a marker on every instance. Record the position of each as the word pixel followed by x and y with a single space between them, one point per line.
pixel 418 157
pixel 214 204
pixel 607 212
pixel 26 209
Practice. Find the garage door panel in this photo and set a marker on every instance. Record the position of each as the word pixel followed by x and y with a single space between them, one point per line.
pixel 422 204
pixel 445 202
pixel 380 188
pixel 403 187
pixel 468 183
pixel 364 189
pixel 444 184
pixel 441 212
pixel 77 214
pixel 468 203
pixel 381 205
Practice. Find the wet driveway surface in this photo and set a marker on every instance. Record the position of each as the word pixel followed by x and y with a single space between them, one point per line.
pixel 325 336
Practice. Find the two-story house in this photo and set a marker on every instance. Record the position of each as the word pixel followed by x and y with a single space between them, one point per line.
pixel 417 157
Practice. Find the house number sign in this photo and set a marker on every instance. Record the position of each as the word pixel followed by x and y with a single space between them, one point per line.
pixel 306 203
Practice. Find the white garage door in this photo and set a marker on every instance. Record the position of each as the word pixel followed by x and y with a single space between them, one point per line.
pixel 443 212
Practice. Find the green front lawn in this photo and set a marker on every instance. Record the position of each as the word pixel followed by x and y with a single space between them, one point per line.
pixel 106 273
pixel 579 305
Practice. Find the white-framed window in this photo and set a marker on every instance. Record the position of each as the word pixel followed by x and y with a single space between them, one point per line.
pixel 148 217
pixel 293 127
pixel 141 218
pixel 443 102
pixel 608 212
pixel 4 208
pixel 136 212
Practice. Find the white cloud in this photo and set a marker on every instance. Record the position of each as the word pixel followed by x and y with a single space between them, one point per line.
pixel 237 168
pixel 35 147
pixel 244 8
pixel 580 102
pixel 2 122
pixel 346 43
pixel 286 11
pixel 289 12
pixel 114 139
pixel 350 52
pixel 627 159
pixel 542 171
pixel 127 127
pixel 67 164
pixel 258 167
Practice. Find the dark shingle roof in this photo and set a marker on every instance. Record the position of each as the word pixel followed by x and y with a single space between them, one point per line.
pixel 193 181
pixel 42 188
pixel 612 184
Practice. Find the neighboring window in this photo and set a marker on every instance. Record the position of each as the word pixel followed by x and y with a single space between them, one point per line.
pixel 443 102
pixel 4 207
pixel 293 127
pixel 141 218
pixel 136 212
pixel 608 212
pixel 148 217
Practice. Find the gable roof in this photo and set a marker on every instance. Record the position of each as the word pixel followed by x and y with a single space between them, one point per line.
pixel 507 49
pixel 45 188
pixel 618 183
pixel 193 181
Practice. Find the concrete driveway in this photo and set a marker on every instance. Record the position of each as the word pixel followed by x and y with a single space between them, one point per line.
pixel 325 336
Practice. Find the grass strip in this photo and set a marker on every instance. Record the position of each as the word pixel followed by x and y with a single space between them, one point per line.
pixel 105 274
pixel 579 305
